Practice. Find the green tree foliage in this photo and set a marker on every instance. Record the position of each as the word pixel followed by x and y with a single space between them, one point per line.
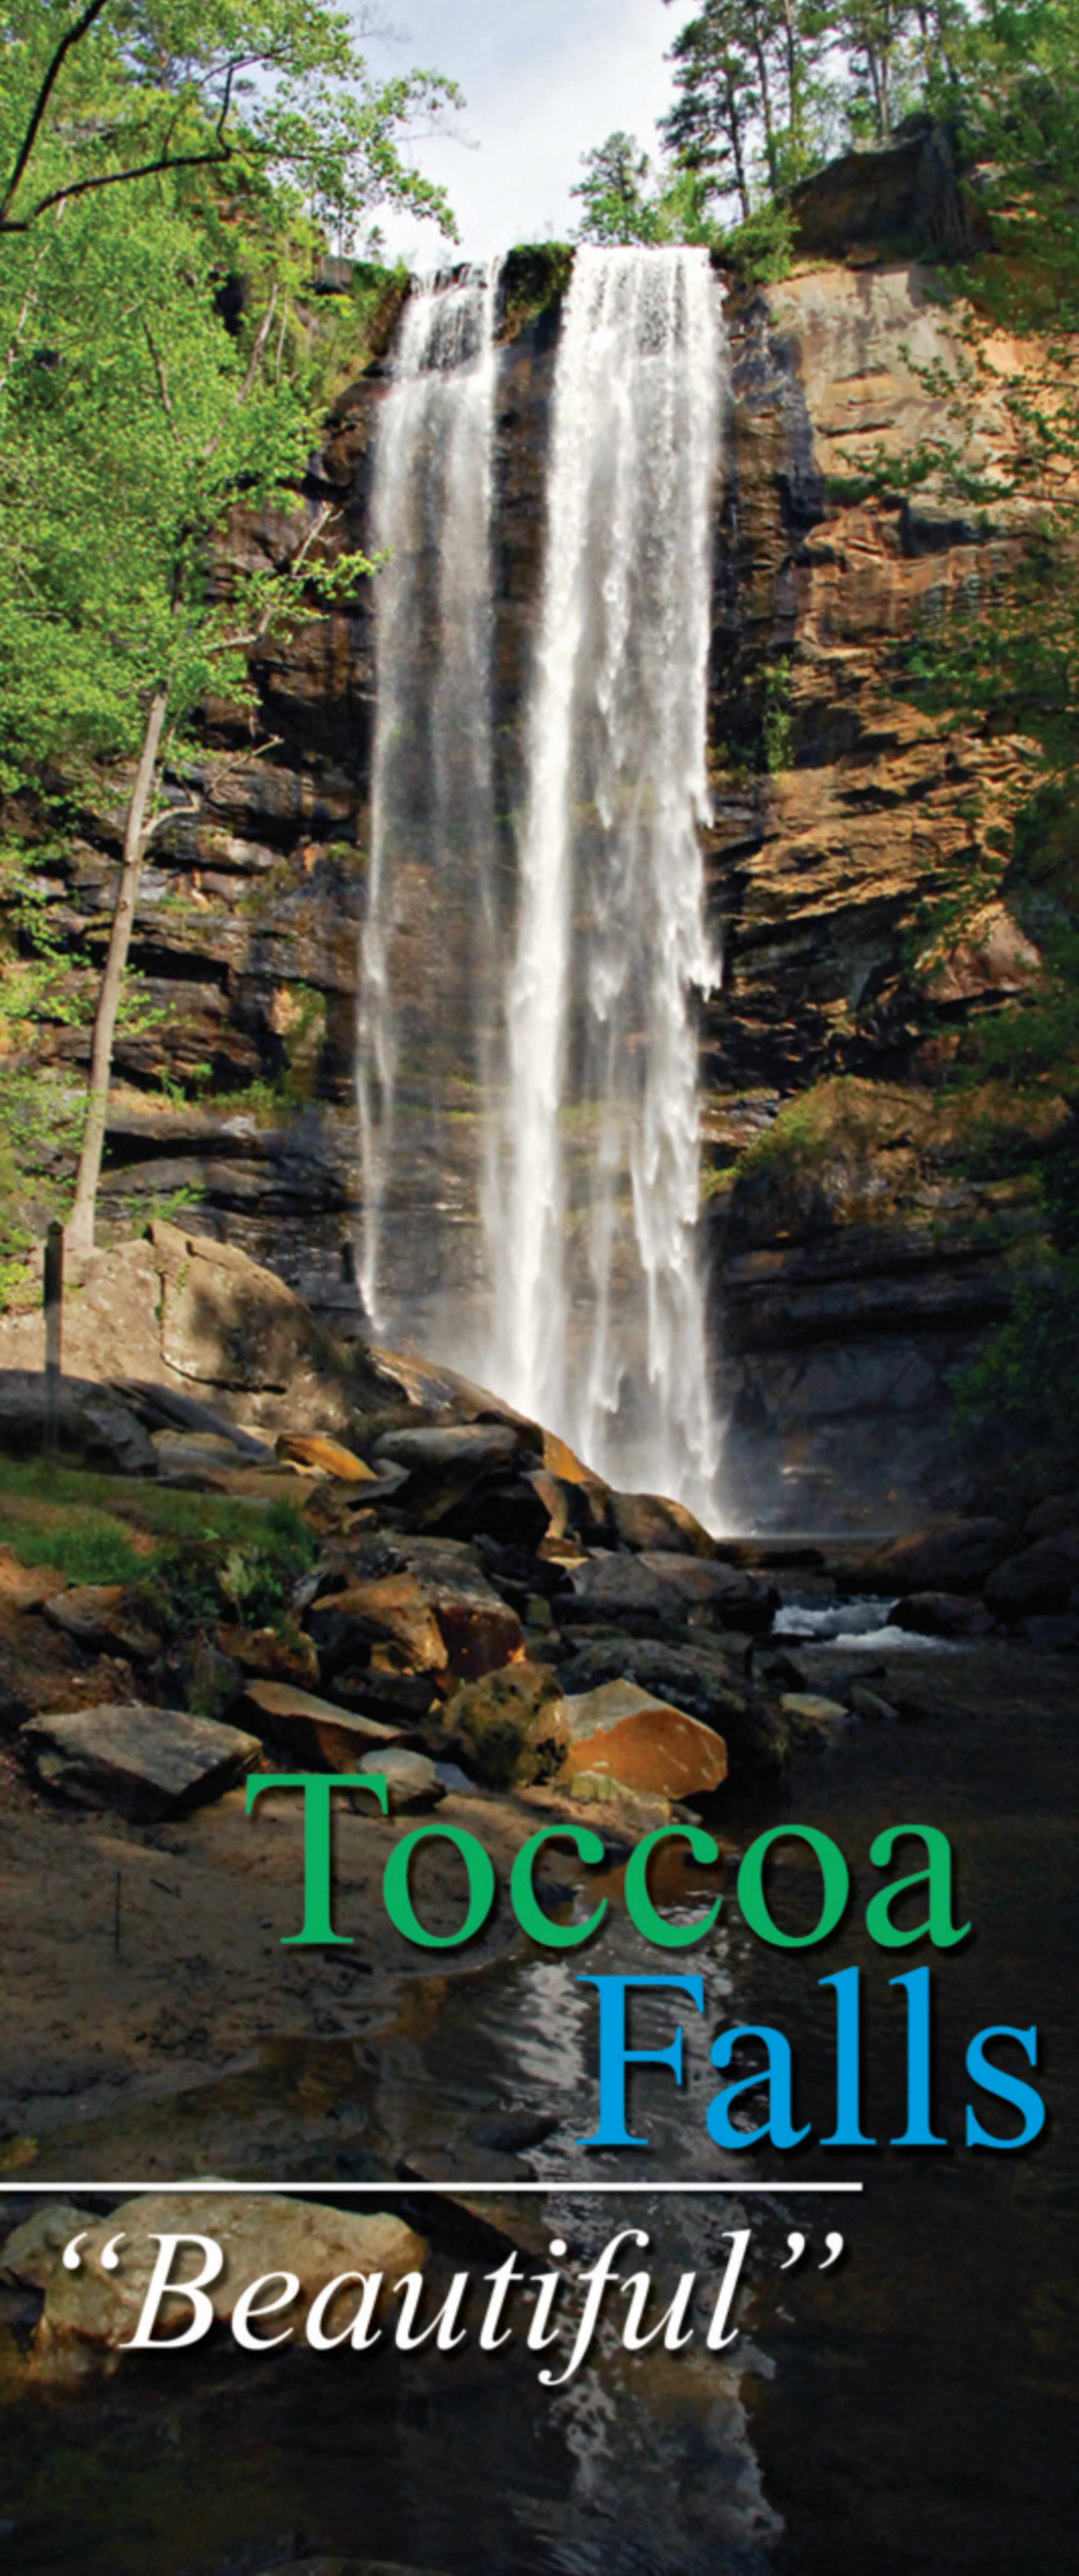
pixel 160 217
pixel 614 193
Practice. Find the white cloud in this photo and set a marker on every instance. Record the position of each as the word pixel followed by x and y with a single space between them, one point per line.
pixel 544 81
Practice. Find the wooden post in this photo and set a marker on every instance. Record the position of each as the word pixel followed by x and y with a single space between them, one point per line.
pixel 54 1315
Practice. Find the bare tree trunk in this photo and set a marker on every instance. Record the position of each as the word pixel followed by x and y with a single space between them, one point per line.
pixel 80 1224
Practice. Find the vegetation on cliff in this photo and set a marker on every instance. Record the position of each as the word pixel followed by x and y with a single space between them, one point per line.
pixel 162 210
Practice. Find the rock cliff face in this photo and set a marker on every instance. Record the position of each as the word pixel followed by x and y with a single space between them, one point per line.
pixel 857 1246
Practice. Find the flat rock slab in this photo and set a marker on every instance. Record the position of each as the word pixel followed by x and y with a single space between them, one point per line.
pixel 146 1763
pixel 260 2235
pixel 90 1418
pixel 333 1739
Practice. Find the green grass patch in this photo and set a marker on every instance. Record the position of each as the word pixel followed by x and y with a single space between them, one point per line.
pixel 197 1555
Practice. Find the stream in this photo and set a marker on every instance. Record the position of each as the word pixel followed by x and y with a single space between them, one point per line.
pixel 908 2408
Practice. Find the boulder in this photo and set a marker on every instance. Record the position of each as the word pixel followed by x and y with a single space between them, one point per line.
pixel 696 1680
pixel 91 1419
pixel 453 1624
pixel 514 1725
pixel 649 1521
pixel 467 1478
pixel 949 1556
pixel 592 1712
pixel 453 1449
pixel 1058 1512
pixel 412 1779
pixel 147 1763
pixel 346 1623
pixel 666 1587
pixel 1039 1578
pixel 654 1750
pixel 261 2235
pixel 943 1614
pixel 322 1737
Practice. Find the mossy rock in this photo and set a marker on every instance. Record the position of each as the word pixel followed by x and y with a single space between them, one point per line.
pixel 515 1725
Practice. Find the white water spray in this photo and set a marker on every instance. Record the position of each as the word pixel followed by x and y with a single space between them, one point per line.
pixel 600 1308
pixel 421 1033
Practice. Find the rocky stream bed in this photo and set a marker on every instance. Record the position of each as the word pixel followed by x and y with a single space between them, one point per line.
pixel 404 1578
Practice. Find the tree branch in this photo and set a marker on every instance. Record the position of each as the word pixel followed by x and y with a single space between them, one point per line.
pixel 74 36
pixel 261 337
pixel 221 151
pixel 115 179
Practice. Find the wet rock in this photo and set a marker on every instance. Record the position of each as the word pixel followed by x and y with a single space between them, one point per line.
pixel 667 1587
pixel 649 1522
pixel 696 1679
pixel 1041 1578
pixel 950 1556
pixel 1056 1634
pixel 1058 1512
pixel 870 1704
pixel 655 1750
pixel 514 1724
pixel 943 1614
pixel 100 1615
pixel 318 1734
pixel 91 1419
pixel 146 1763
pixel 268 2234
pixel 412 1779
pixel 813 1717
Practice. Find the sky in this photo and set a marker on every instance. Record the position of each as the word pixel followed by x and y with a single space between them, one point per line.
pixel 544 80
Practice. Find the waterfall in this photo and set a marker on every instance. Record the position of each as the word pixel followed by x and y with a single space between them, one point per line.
pixel 600 1323
pixel 528 1087
pixel 425 1041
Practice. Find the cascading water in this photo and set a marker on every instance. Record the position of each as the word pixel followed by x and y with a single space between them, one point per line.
pixel 528 1092
pixel 426 1045
pixel 600 1328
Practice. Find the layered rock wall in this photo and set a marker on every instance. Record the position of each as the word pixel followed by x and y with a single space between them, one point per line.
pixel 854 1262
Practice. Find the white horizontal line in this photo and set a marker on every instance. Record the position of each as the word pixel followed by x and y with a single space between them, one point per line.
pixel 456 2190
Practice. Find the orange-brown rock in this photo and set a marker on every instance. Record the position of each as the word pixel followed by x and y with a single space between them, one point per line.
pixel 656 1751
pixel 326 1457
pixel 333 1739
